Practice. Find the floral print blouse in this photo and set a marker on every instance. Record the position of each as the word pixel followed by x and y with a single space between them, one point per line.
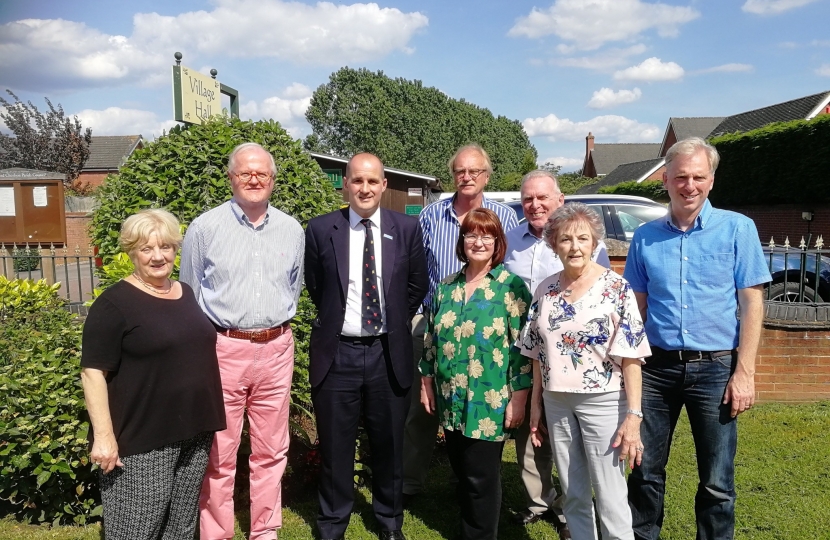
pixel 580 346
pixel 468 349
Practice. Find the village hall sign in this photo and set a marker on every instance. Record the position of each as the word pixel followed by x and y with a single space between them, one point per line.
pixel 196 96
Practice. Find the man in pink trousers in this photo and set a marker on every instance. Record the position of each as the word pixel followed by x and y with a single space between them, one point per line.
pixel 244 261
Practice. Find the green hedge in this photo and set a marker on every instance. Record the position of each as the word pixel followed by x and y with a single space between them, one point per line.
pixel 652 189
pixel 785 162
pixel 45 475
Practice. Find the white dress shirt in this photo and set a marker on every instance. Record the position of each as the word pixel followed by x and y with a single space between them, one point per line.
pixel 352 325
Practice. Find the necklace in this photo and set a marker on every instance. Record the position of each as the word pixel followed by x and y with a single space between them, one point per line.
pixel 153 288
pixel 484 275
pixel 570 289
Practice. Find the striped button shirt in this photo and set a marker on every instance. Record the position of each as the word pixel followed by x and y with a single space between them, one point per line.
pixel 440 225
pixel 243 276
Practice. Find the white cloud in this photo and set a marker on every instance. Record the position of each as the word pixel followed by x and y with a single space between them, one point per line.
pixel 607 59
pixel 590 24
pixel 567 163
pixel 772 7
pixel 729 68
pixel 70 54
pixel 608 128
pixel 605 98
pixel 288 109
pixel 118 121
pixel 823 70
pixel 651 69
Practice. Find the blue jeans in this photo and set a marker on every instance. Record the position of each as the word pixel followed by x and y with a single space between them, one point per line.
pixel 667 386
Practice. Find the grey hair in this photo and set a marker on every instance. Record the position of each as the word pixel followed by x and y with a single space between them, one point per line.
pixel 540 173
pixel 569 215
pixel 136 229
pixel 244 147
pixel 472 146
pixel 691 146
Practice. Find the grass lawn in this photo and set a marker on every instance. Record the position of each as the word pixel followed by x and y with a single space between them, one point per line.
pixel 783 479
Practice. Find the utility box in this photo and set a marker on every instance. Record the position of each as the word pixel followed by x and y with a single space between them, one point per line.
pixel 31 207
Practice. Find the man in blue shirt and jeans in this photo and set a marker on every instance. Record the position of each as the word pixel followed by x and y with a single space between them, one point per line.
pixel 692 273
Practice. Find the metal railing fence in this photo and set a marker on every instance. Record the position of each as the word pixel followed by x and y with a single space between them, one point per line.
pixel 799 274
pixel 73 269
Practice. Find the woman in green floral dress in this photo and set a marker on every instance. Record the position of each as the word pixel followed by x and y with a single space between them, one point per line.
pixel 472 375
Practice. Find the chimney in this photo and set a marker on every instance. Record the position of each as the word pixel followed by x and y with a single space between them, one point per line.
pixel 589 144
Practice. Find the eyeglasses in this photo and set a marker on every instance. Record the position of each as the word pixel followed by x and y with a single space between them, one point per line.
pixel 474 173
pixel 246 176
pixel 487 240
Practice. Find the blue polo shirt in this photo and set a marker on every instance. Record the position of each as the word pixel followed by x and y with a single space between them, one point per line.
pixel 692 277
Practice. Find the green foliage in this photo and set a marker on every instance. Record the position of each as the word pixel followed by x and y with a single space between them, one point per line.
pixel 785 162
pixel 651 189
pixel 44 472
pixel 25 260
pixel 43 141
pixel 185 173
pixel 409 126
pixel 570 182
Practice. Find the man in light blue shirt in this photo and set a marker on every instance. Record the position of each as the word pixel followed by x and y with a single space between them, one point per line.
pixel 470 167
pixel 692 272
pixel 530 258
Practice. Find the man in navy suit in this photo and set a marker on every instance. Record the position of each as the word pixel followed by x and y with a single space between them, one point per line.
pixel 366 274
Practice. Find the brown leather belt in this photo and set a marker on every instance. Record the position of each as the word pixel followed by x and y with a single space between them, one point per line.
pixel 687 356
pixel 255 336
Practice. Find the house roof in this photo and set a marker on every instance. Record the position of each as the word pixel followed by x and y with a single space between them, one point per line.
pixel 803 108
pixel 428 179
pixel 626 172
pixel 608 157
pixel 110 152
pixel 685 127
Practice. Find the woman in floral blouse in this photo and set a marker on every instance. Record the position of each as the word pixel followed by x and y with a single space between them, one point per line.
pixel 587 340
pixel 473 377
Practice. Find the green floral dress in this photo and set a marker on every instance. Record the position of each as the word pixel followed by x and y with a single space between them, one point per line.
pixel 468 349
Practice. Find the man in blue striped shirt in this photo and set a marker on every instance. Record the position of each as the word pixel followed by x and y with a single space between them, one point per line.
pixel 244 262
pixel 471 168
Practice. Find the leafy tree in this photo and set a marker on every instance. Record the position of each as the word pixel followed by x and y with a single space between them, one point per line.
pixel 184 172
pixel 651 189
pixel 570 182
pixel 410 126
pixel 44 141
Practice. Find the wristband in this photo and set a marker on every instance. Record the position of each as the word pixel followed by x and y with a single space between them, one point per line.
pixel 638 414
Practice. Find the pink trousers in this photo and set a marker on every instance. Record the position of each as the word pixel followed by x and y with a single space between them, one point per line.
pixel 256 376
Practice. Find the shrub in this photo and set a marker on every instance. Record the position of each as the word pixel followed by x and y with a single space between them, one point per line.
pixel 26 259
pixel 45 475
pixel 651 189
pixel 184 172
pixel 784 162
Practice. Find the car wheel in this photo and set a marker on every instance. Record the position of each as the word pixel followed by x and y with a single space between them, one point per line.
pixel 788 292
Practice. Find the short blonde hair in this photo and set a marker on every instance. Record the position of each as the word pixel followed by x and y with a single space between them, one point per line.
pixel 137 229
pixel 569 215
pixel 474 147
pixel 689 147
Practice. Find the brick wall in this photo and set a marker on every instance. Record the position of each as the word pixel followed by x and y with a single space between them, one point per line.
pixel 77 233
pixel 89 179
pixel 793 365
pixel 784 220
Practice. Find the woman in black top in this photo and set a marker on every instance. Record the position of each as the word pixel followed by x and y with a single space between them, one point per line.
pixel 152 388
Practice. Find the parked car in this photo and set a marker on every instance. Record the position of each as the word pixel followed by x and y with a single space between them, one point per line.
pixel 622 214
pixel 786 268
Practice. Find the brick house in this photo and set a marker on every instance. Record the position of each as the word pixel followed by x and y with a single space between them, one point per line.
pixel 601 159
pixel 106 155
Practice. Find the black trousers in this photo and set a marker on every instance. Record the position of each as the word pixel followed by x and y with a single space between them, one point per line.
pixel 477 464
pixel 361 374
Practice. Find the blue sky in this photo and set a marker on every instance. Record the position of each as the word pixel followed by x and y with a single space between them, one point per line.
pixel 618 68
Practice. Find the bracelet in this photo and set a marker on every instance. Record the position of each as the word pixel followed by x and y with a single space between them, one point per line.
pixel 638 414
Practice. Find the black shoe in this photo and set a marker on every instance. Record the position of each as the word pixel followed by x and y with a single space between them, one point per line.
pixel 338 538
pixel 526 517
pixel 392 535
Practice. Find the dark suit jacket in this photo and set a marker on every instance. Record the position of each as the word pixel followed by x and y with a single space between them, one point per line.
pixel 405 285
